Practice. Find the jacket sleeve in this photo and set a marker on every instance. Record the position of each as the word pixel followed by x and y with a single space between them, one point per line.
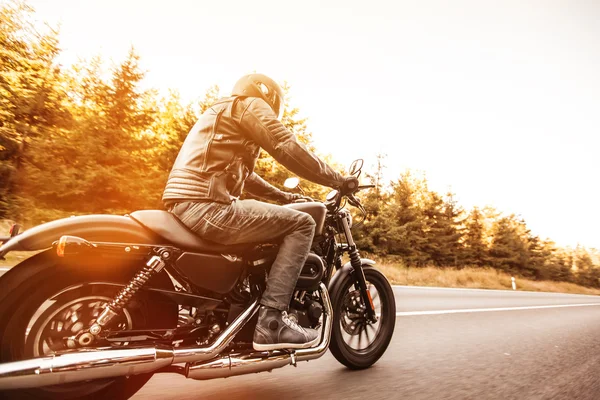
pixel 261 125
pixel 258 187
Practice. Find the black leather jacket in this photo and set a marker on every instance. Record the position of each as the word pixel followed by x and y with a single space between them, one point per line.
pixel 219 154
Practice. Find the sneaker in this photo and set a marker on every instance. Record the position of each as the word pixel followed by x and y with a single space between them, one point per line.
pixel 275 330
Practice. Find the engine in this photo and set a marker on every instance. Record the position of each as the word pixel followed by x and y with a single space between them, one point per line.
pixel 306 309
pixel 305 306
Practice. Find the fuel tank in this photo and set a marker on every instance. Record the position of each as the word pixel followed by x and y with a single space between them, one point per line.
pixel 317 211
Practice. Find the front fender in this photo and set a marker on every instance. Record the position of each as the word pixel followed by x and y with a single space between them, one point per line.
pixel 101 227
pixel 346 270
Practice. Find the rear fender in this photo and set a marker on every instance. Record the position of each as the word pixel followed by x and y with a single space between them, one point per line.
pixel 113 228
pixel 34 271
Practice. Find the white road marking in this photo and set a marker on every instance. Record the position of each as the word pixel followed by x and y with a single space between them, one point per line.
pixel 474 310
pixel 492 290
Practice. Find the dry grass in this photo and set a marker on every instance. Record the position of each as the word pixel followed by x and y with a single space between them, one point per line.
pixel 479 278
pixel 476 278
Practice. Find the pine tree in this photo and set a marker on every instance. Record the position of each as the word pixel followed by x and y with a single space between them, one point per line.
pixel 375 226
pixel 558 265
pixel 443 232
pixel 475 248
pixel 406 233
pixel 587 273
pixel 508 250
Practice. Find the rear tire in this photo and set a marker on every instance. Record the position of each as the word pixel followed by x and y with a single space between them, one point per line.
pixel 24 325
pixel 348 326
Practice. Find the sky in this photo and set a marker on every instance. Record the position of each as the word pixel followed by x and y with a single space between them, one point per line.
pixel 498 102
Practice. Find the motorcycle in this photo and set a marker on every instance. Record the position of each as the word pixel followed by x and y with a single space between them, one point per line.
pixel 111 300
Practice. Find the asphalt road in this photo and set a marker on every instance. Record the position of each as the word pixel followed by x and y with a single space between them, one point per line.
pixel 448 344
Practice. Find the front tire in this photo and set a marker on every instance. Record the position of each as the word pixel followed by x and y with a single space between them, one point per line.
pixel 43 319
pixel 355 342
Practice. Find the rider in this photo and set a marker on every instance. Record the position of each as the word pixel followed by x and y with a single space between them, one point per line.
pixel 216 162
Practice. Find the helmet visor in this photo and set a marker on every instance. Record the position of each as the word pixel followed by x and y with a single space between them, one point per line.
pixel 277 105
pixel 272 97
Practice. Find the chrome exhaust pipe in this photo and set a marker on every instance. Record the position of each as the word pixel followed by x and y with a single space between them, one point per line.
pixel 108 363
pixel 248 363
pixel 81 366
pixel 237 364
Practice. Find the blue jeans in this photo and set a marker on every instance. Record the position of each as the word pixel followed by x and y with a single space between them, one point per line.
pixel 251 221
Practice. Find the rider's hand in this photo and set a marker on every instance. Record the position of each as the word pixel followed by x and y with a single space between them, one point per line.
pixel 350 184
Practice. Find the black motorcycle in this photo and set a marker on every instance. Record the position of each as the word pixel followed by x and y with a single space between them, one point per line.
pixel 112 300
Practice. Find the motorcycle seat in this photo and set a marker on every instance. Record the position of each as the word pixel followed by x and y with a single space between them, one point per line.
pixel 169 227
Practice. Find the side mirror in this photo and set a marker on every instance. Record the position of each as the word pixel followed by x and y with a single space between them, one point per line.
pixel 356 166
pixel 291 183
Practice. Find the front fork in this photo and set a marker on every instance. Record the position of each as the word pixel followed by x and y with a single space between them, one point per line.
pixel 357 271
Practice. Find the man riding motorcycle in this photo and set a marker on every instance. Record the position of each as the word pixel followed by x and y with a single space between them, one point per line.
pixel 216 162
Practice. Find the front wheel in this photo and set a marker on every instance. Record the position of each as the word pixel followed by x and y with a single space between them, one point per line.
pixel 357 342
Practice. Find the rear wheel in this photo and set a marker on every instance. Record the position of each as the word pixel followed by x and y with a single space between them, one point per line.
pixel 357 342
pixel 54 313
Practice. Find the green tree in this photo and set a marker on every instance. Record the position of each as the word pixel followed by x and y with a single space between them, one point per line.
pixel 406 234
pixel 558 264
pixel 369 234
pixel 475 249
pixel 103 163
pixel 443 232
pixel 31 100
pixel 587 273
pixel 508 250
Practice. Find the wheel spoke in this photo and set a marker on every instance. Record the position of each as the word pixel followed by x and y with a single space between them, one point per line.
pixel 360 337
pixel 366 326
pixel 375 295
pixel 352 340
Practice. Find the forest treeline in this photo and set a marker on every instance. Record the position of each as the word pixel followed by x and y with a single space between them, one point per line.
pixel 90 139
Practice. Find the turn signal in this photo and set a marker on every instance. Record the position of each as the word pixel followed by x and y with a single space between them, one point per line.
pixel 70 245
pixel 60 248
